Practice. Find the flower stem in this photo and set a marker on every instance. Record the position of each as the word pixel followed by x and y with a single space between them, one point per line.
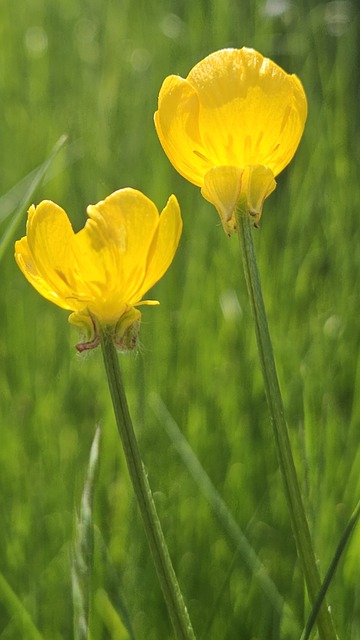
pixel 281 435
pixel 166 575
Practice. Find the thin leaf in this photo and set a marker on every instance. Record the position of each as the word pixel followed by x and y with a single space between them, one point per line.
pixel 16 609
pixel 331 571
pixel 84 547
pixel 11 200
pixel 114 592
pixel 30 183
pixel 223 514
pixel 110 617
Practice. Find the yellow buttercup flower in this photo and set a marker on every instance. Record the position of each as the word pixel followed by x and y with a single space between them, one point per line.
pixel 102 272
pixel 231 126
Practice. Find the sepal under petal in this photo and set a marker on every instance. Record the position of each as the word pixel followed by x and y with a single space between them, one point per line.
pixel 258 183
pixel 222 187
pixel 127 330
pixel 228 187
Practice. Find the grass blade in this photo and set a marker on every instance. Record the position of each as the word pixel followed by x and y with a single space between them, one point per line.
pixel 110 617
pixel 223 514
pixel 110 603
pixel 16 609
pixel 331 571
pixel 12 198
pixel 84 547
pixel 30 183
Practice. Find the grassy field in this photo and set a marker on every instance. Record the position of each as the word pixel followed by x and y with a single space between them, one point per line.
pixel 92 69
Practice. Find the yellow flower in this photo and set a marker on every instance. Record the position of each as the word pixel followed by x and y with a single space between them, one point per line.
pixel 231 127
pixel 102 272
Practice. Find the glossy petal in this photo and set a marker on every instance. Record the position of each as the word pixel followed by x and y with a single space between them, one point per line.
pixel 177 125
pixel 251 111
pixel 164 245
pixel 121 229
pixel 45 254
pixel 26 263
pixel 103 271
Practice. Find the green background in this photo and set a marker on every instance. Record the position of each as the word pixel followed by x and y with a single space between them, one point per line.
pixel 93 70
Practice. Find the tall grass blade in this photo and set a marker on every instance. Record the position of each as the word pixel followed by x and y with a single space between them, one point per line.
pixel 331 571
pixel 30 183
pixel 110 617
pixel 223 514
pixel 12 199
pixel 110 604
pixel 84 547
pixel 19 614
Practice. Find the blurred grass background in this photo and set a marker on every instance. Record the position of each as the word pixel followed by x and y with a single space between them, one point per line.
pixel 92 69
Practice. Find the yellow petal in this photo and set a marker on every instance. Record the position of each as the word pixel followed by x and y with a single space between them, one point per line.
pixel 25 261
pixel 124 249
pixel 45 255
pixel 177 125
pixel 164 245
pixel 251 111
pixel 222 187
pixel 49 227
pixel 121 230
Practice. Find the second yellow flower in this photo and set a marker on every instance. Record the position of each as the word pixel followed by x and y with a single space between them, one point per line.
pixel 231 126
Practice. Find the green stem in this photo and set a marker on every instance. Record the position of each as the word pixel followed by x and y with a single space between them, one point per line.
pixel 273 396
pixel 166 575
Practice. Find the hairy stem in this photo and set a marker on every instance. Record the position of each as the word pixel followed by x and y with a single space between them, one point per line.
pixel 166 575
pixel 280 430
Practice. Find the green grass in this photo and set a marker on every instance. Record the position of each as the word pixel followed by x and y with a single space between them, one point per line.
pixel 92 70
